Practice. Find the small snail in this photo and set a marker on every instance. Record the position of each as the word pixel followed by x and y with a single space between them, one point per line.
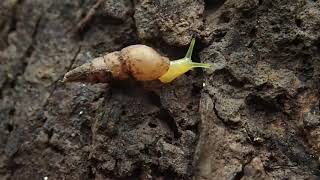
pixel 137 61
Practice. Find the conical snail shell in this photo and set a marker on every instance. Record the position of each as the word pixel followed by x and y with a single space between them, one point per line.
pixel 138 61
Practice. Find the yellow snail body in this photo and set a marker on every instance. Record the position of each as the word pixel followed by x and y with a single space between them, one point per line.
pixel 137 61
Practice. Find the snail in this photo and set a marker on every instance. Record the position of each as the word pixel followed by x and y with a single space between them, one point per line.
pixel 140 62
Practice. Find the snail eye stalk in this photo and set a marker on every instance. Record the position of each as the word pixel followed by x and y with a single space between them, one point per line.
pixel 181 66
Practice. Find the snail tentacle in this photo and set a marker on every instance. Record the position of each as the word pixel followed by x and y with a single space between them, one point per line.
pixel 181 66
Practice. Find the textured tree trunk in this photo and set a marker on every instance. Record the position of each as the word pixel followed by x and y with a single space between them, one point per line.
pixel 254 115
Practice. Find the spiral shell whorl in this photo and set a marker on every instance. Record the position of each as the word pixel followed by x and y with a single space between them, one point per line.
pixel 144 63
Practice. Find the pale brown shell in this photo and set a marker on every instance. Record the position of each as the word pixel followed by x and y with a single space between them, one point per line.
pixel 99 70
pixel 138 61
pixel 144 63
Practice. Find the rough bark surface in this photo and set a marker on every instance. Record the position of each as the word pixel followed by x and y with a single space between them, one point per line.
pixel 255 115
